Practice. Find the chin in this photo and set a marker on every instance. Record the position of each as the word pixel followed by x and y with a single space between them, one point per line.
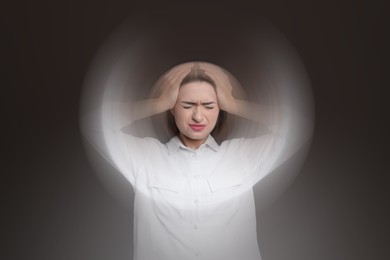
pixel 198 137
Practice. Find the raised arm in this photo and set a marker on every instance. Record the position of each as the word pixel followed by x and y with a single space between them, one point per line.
pixel 279 119
pixel 165 100
pixel 227 102
pixel 108 121
pixel 102 128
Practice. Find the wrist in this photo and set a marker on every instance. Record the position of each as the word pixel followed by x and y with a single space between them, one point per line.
pixel 230 106
pixel 162 104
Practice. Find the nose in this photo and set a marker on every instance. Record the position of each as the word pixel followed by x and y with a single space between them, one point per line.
pixel 197 115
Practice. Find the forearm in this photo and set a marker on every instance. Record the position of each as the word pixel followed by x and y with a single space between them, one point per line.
pixel 250 110
pixel 132 111
pixel 282 120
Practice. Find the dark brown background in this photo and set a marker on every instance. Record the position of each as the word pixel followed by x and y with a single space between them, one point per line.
pixel 55 207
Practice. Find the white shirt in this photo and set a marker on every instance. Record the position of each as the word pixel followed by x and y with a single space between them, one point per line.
pixel 192 204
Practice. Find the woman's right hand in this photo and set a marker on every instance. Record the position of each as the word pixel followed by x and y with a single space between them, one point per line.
pixel 171 83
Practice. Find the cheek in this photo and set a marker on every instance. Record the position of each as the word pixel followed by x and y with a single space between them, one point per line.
pixel 180 117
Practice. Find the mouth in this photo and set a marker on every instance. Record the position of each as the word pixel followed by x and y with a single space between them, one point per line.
pixel 197 127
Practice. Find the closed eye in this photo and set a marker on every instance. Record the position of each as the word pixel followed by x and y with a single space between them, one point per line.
pixel 207 105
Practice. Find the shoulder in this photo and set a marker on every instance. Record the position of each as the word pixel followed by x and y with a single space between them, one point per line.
pixel 245 141
pixel 142 143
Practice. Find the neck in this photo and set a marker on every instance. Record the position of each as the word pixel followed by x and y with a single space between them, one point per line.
pixel 191 143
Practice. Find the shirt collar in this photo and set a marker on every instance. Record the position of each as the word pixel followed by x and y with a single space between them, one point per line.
pixel 174 144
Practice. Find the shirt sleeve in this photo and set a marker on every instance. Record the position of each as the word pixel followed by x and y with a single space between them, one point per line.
pixel 126 153
pixel 256 157
pixel 261 155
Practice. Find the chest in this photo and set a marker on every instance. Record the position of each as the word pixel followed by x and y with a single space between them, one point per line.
pixel 202 185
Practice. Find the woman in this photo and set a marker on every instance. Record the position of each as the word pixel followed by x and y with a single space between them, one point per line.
pixel 193 196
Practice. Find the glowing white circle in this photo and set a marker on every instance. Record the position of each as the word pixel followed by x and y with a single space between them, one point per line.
pixel 116 75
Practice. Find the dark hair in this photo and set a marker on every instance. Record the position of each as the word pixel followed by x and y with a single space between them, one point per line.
pixel 198 75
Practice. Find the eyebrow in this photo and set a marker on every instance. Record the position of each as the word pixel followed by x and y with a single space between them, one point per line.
pixel 195 103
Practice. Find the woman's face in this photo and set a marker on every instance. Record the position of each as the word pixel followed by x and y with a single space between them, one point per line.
pixel 196 112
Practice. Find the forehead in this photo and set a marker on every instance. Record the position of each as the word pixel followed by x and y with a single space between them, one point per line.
pixel 198 90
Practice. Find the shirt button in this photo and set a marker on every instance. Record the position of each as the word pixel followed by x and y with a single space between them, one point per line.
pixel 195 227
pixel 197 254
pixel 196 176
pixel 196 201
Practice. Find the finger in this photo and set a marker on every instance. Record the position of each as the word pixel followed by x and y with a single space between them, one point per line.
pixel 208 67
pixel 178 71
pixel 183 67
pixel 211 70
pixel 181 75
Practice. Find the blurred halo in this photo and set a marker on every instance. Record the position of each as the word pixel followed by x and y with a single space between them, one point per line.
pixel 135 56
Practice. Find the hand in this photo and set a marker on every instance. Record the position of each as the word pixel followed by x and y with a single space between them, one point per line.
pixel 226 101
pixel 171 83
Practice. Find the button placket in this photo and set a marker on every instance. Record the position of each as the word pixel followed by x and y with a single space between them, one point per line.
pixel 193 154
pixel 195 179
